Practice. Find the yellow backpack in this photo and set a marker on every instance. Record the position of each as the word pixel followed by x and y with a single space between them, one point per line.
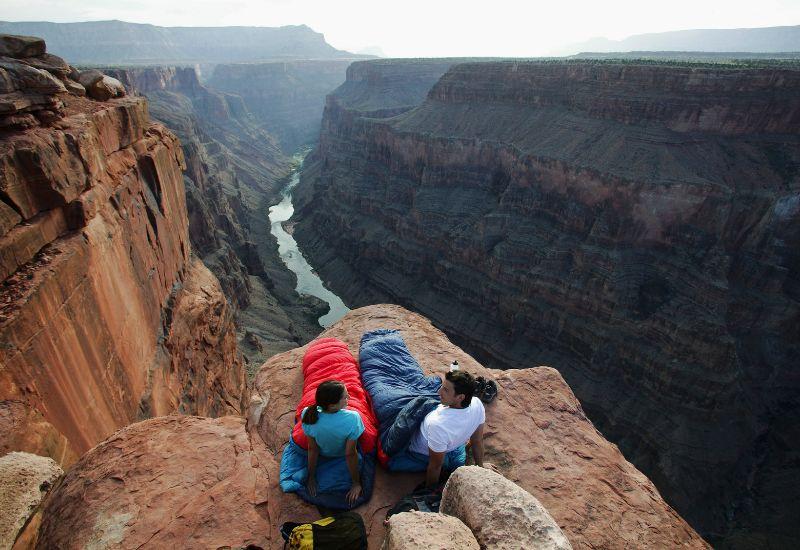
pixel 343 531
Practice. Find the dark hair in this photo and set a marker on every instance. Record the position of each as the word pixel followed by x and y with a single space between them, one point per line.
pixel 328 393
pixel 463 383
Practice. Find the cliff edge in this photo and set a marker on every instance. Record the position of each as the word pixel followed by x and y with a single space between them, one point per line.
pixel 106 318
pixel 195 482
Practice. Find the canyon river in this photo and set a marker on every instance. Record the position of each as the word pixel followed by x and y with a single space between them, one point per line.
pixel 308 282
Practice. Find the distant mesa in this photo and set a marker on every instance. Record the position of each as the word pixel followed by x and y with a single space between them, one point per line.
pixel 120 42
pixel 766 39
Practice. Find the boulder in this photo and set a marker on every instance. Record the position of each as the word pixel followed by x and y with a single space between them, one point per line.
pixel 421 531
pixel 168 482
pixel 50 63
pixel 24 481
pixel 74 88
pixel 18 46
pixel 500 513
pixel 31 79
pixel 88 78
pixel 105 88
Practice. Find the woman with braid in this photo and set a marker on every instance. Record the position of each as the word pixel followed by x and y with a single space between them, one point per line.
pixel 332 431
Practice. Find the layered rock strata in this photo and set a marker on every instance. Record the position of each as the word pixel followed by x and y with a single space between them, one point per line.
pixel 536 433
pixel 105 317
pixel 235 170
pixel 635 226
pixel 32 83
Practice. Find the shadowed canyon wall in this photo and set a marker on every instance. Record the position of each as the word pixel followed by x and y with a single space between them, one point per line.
pixel 106 316
pixel 636 227
pixel 285 98
pixel 235 170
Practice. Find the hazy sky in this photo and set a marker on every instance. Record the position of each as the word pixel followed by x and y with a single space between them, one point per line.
pixel 428 28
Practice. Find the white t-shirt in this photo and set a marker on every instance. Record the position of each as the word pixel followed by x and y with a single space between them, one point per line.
pixel 445 428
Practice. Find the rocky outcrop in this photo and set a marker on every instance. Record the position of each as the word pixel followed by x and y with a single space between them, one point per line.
pixel 115 42
pixel 536 433
pixel 175 481
pixel 285 98
pixel 24 481
pixel 32 83
pixel 635 226
pixel 235 170
pixel 99 285
pixel 500 513
pixel 420 531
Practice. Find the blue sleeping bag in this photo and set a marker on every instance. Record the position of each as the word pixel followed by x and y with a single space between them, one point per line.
pixel 401 394
pixel 333 477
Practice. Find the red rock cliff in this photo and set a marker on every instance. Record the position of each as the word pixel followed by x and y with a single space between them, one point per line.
pixel 106 316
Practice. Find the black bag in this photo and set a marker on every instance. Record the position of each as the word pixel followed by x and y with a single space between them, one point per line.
pixel 485 390
pixel 421 500
pixel 343 531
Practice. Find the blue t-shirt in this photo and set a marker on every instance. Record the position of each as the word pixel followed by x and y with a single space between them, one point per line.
pixel 332 430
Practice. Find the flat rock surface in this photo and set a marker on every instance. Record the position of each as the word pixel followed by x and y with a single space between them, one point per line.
pixel 425 531
pixel 500 513
pixel 536 433
pixel 168 482
pixel 24 481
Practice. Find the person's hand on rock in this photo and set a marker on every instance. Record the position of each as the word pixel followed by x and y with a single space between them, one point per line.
pixel 353 493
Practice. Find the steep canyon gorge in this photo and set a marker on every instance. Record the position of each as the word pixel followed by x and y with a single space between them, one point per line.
pixel 635 226
pixel 236 168
pixel 107 316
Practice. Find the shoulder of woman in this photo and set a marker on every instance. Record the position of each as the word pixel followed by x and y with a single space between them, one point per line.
pixel 352 415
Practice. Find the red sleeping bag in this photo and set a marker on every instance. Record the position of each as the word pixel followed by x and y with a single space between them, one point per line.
pixel 327 359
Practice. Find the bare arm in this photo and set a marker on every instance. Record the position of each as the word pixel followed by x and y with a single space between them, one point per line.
pixel 313 455
pixel 476 443
pixel 435 461
pixel 351 456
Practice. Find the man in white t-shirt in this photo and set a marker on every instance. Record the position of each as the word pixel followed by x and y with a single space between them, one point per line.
pixel 460 418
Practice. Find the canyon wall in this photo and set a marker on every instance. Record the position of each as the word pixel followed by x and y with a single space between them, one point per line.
pixel 235 170
pixel 106 317
pixel 636 227
pixel 285 98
